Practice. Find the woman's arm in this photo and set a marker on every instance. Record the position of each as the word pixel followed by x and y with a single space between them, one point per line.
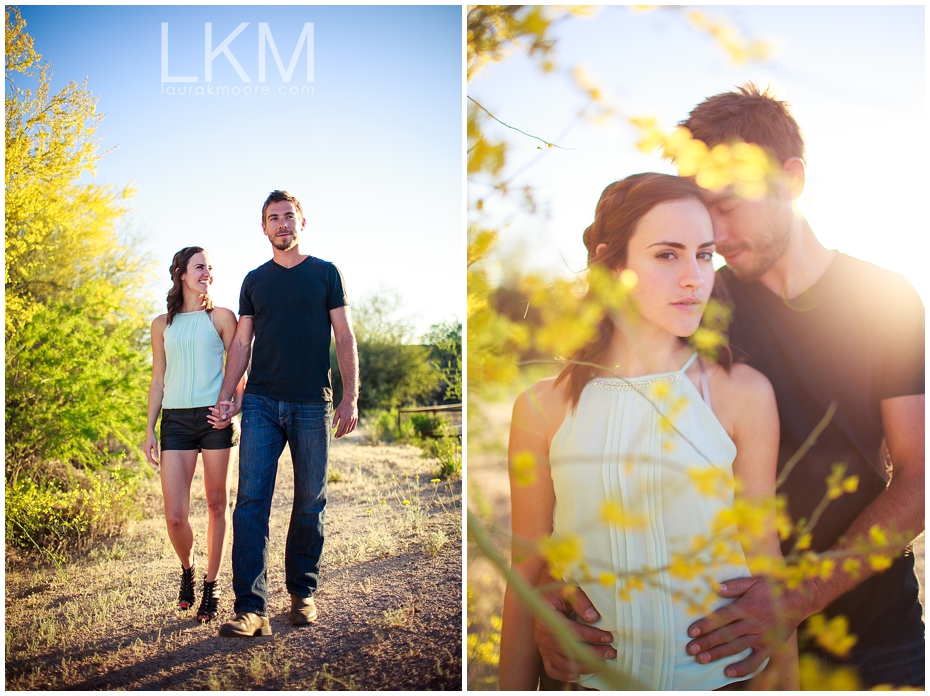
pixel 755 427
pixel 156 388
pixel 532 501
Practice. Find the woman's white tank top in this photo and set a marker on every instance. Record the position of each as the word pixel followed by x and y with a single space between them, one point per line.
pixel 625 487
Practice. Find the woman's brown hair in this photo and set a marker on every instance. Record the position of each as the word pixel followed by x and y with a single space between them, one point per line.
pixel 176 294
pixel 620 208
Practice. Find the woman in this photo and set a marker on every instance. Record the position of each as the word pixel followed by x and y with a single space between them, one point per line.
pixel 188 344
pixel 621 447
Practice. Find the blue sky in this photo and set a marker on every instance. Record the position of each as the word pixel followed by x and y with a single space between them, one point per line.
pixel 373 153
pixel 854 76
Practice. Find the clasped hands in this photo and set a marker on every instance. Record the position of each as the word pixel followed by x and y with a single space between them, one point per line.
pixel 222 413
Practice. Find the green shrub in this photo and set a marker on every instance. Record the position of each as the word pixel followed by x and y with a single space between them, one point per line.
pixel 430 426
pixel 449 453
pixel 54 515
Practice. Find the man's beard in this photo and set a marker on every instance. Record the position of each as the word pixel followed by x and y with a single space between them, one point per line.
pixel 763 253
pixel 284 243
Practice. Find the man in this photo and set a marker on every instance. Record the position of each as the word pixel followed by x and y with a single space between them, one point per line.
pixel 824 328
pixel 290 305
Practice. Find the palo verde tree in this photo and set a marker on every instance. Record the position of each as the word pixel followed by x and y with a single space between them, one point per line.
pixel 76 354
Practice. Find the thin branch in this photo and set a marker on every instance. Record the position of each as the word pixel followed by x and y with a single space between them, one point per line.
pixel 507 125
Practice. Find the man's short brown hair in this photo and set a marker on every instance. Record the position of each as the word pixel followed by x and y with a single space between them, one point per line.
pixel 278 195
pixel 750 116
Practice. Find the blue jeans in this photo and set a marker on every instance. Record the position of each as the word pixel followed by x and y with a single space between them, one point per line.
pixel 267 424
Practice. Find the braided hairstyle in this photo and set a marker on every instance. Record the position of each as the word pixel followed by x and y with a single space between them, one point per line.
pixel 620 208
pixel 176 293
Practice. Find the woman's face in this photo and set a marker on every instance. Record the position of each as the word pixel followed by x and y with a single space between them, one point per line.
pixel 671 253
pixel 199 275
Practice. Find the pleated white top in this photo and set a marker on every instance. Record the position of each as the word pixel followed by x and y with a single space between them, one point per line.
pixel 194 361
pixel 613 449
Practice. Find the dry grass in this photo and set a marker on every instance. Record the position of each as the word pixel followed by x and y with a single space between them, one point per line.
pixel 108 620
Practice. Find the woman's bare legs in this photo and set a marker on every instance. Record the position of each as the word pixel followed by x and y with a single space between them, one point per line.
pixel 177 472
pixel 216 474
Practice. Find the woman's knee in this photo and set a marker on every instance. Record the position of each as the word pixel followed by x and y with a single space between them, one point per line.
pixel 177 520
pixel 218 506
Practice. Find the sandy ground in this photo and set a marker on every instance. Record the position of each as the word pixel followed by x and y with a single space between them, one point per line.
pixel 390 599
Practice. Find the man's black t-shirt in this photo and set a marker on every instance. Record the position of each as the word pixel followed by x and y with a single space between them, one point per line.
pixel 290 314
pixel 856 337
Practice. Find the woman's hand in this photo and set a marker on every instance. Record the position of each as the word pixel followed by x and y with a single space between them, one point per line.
pixel 151 448
pixel 221 415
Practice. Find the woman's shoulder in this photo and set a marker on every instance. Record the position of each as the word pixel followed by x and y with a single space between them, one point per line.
pixel 224 316
pixel 545 404
pixel 741 392
pixel 160 322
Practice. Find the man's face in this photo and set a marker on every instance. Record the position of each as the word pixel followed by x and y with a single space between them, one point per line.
pixel 283 225
pixel 750 234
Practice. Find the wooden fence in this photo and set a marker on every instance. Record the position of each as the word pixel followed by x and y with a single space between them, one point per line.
pixel 453 408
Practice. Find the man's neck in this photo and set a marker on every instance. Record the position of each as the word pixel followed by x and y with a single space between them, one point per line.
pixel 803 263
pixel 289 258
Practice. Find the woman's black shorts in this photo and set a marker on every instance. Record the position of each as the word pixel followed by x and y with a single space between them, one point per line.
pixel 189 429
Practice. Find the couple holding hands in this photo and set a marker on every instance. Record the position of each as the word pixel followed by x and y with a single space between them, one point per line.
pixel 290 305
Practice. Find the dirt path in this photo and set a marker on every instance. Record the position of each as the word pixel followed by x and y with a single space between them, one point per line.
pixel 390 597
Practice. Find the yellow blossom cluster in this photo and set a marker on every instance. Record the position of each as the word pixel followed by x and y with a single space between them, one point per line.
pixel 832 635
pixel 748 168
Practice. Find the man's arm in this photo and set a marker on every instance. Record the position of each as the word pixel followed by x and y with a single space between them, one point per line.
pixel 748 621
pixel 237 359
pixel 345 417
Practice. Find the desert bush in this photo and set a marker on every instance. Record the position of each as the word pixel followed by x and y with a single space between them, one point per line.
pixel 381 427
pixel 447 450
pixel 55 516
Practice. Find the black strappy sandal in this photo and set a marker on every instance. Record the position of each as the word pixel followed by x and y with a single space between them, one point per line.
pixel 186 593
pixel 209 601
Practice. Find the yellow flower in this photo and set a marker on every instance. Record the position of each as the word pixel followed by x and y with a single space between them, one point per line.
pixel 832 635
pixel 877 535
pixel 879 562
pixel 612 512
pixel 435 480
pixel 561 552
pixel 816 677
pixel 660 391
pixel 607 579
pixel 523 466
pixel 851 566
pixel 628 278
pixel 684 568
pixel 406 502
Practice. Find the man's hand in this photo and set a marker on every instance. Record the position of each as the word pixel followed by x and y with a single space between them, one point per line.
pixel 565 600
pixel 757 620
pixel 345 418
pixel 221 415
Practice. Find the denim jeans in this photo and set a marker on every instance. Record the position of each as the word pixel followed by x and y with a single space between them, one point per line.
pixel 267 424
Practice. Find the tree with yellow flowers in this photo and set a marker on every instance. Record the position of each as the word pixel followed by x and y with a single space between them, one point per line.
pixel 76 355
